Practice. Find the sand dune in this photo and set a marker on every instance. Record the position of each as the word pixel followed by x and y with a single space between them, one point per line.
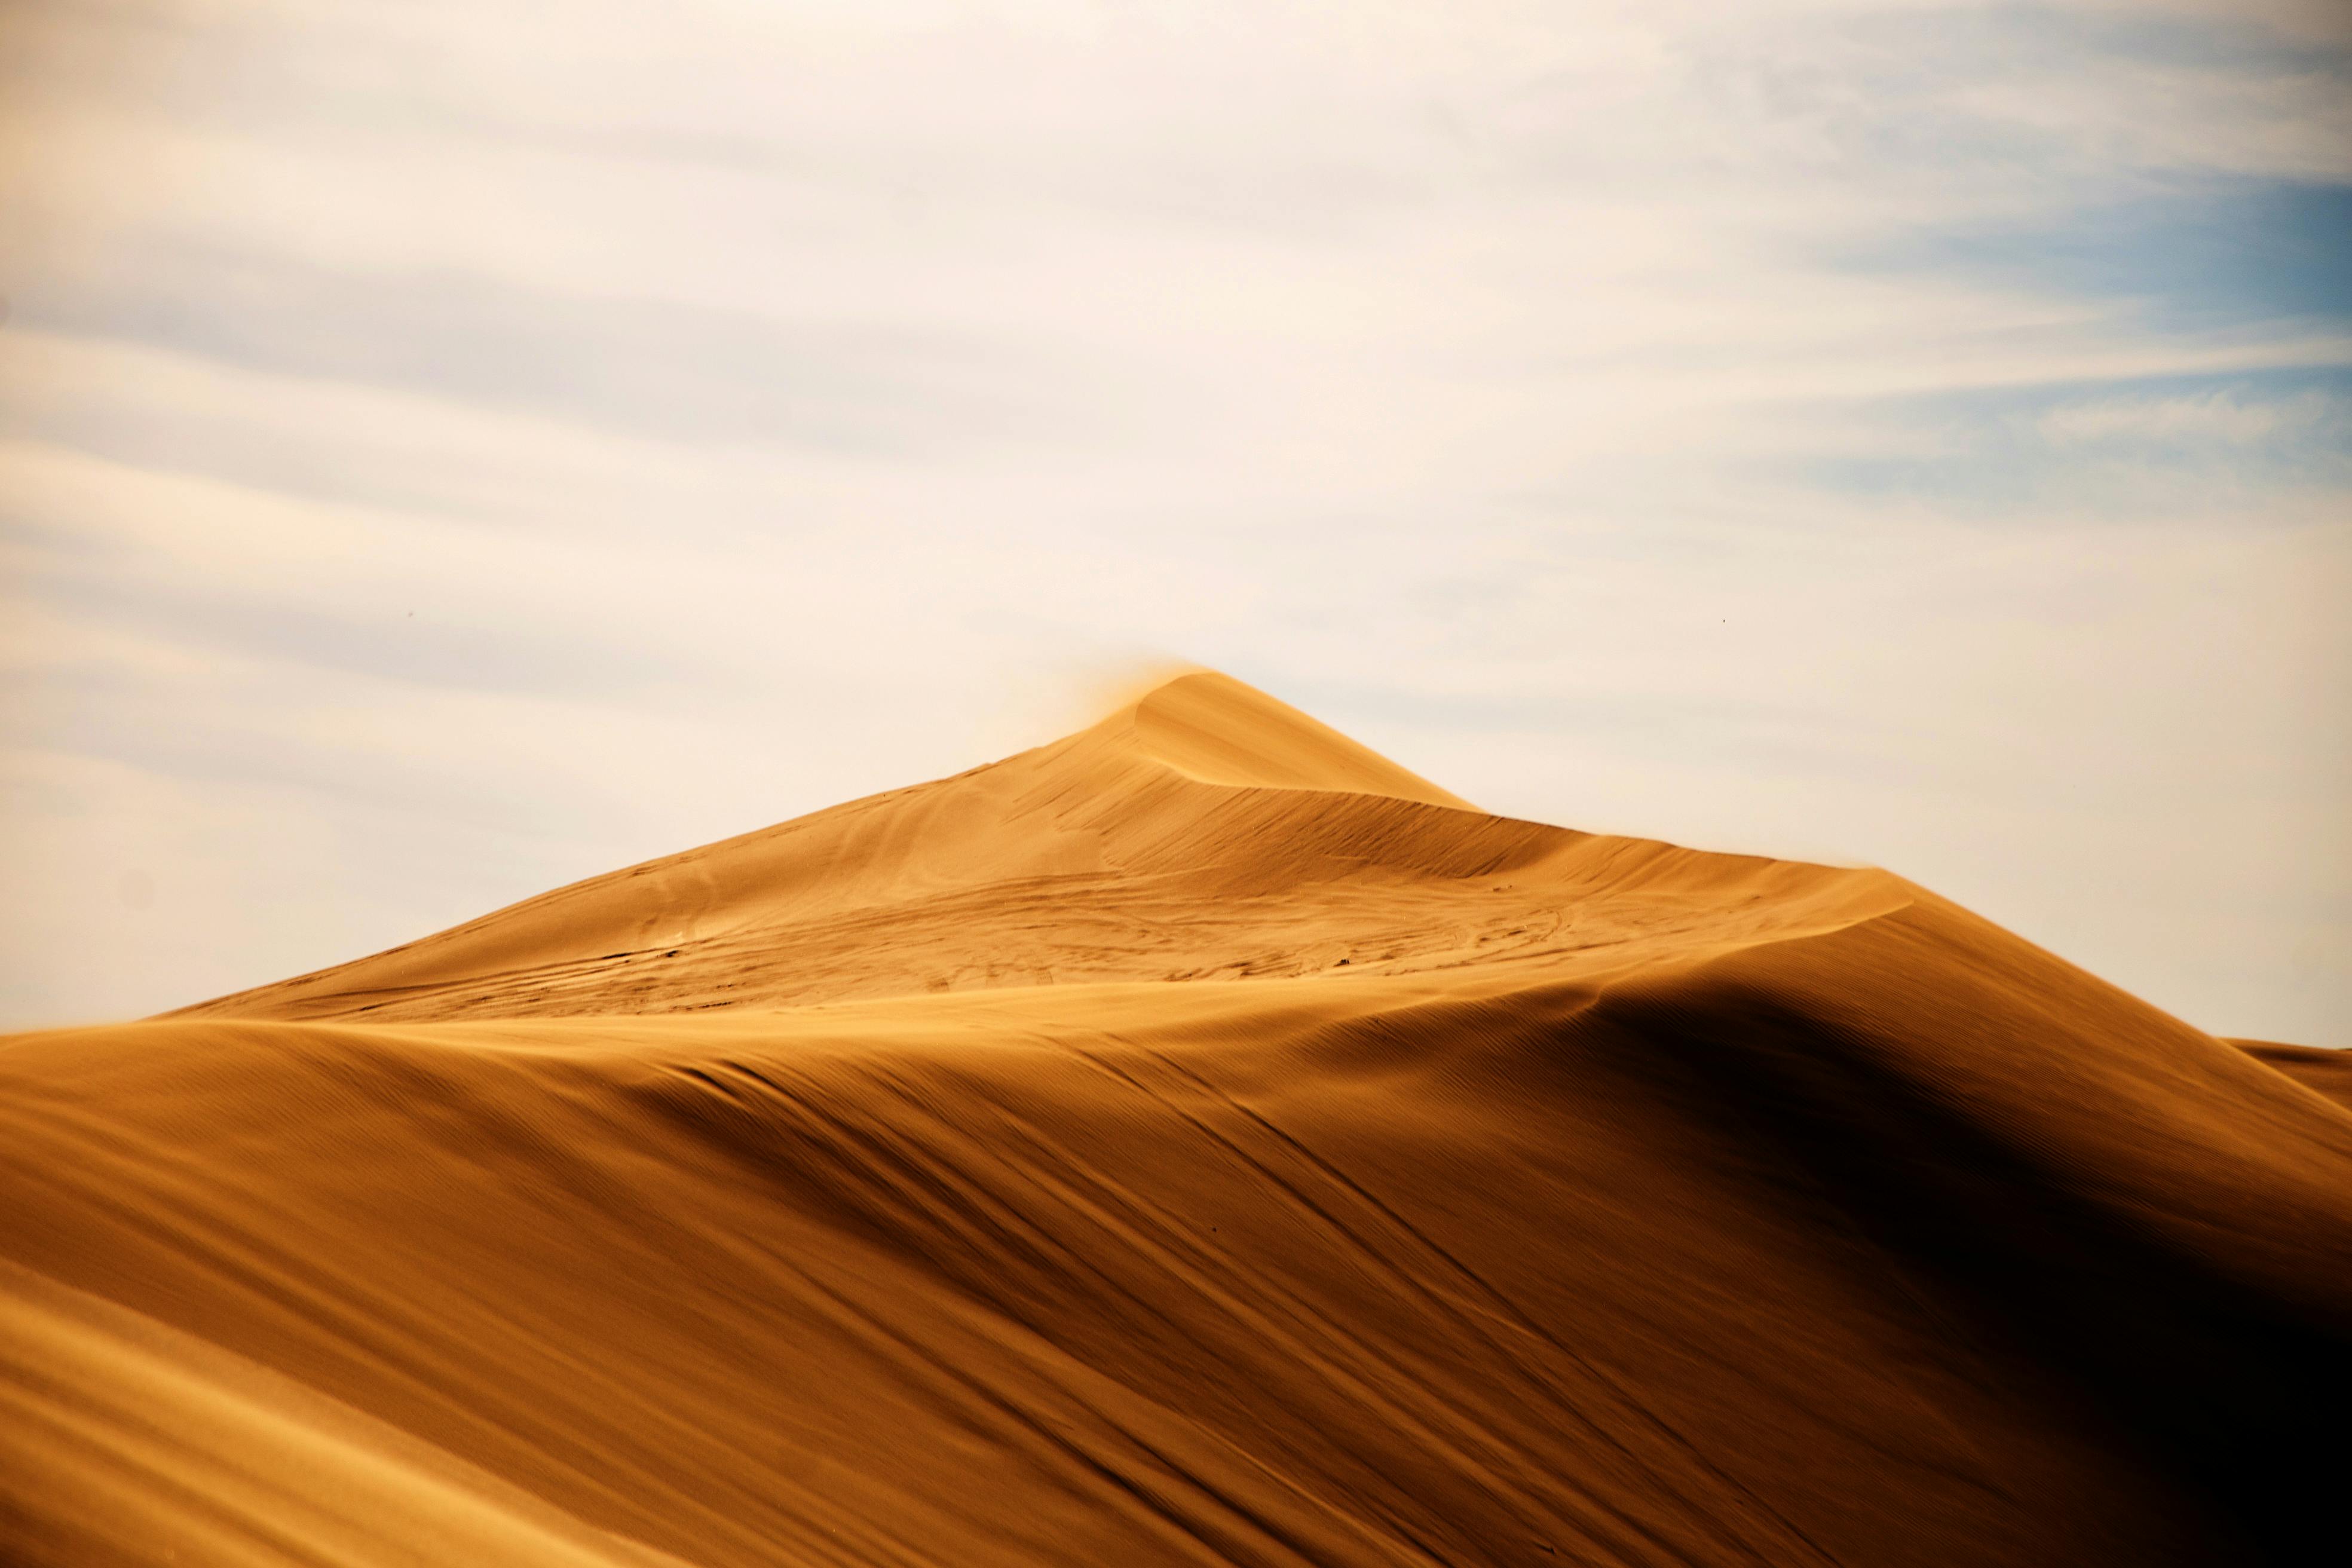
pixel 1204 832
pixel 1195 1141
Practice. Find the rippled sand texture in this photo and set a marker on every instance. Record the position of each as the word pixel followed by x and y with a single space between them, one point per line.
pixel 1197 1140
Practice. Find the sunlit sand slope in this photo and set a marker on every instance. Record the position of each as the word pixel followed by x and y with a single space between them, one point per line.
pixel 1743 1213
pixel 139 1442
pixel 1204 832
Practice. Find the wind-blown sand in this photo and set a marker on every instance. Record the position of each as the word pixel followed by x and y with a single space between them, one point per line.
pixel 1195 1141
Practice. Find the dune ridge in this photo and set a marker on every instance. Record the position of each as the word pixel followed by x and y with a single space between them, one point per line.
pixel 1204 830
pixel 1010 1170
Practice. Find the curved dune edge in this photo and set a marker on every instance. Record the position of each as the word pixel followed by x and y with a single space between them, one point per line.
pixel 2326 1073
pixel 127 1440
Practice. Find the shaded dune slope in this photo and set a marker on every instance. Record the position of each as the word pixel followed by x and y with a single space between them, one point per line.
pixel 1745 1212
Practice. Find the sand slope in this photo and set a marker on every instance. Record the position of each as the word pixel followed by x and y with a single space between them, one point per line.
pixel 1612 1203
pixel 1204 832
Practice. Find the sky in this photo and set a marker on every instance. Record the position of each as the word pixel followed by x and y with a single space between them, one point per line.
pixel 449 449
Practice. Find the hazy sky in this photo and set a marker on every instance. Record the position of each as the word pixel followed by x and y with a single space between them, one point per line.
pixel 451 448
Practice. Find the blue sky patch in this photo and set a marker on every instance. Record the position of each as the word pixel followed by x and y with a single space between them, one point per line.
pixel 2262 430
pixel 2198 256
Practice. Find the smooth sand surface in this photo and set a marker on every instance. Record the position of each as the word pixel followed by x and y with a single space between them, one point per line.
pixel 1196 1141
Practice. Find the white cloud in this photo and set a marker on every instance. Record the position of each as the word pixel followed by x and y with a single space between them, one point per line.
pixel 493 451
pixel 2225 416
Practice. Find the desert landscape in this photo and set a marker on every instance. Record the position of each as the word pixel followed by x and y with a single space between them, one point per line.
pixel 1196 1141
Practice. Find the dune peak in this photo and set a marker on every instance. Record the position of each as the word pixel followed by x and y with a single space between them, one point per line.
pixel 1211 727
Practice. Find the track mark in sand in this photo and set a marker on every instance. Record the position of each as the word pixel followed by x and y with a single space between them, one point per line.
pixel 1331 1222
pixel 1501 1306
pixel 1153 1479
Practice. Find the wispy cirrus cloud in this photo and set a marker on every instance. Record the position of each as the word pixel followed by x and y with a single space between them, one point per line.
pixel 664 369
pixel 2229 417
